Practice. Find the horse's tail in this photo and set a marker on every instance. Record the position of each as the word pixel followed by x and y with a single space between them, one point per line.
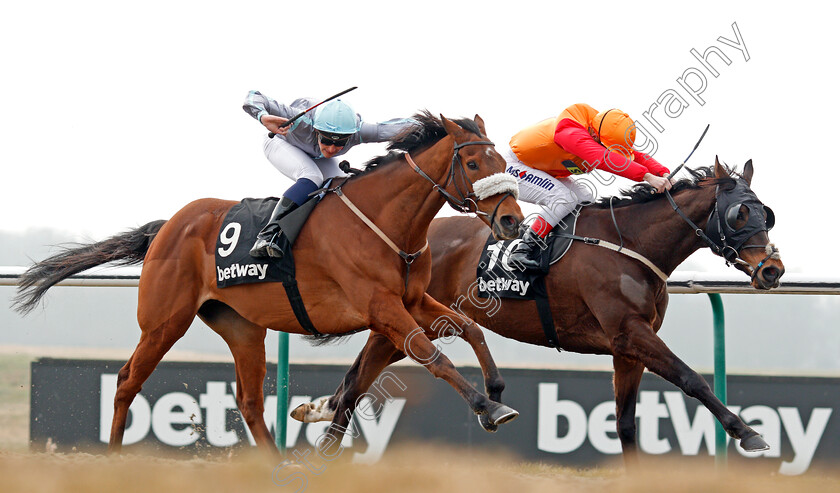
pixel 127 248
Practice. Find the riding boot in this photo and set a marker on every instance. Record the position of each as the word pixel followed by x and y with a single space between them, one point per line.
pixel 266 245
pixel 528 252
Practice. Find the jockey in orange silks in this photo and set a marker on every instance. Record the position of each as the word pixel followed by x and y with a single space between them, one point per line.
pixel 581 139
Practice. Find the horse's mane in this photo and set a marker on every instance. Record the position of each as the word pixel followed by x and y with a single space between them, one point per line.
pixel 419 137
pixel 644 192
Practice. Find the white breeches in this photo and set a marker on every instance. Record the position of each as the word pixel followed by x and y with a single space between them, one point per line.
pixel 296 164
pixel 555 197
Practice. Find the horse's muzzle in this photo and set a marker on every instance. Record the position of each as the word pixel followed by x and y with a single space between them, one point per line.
pixel 769 277
pixel 506 227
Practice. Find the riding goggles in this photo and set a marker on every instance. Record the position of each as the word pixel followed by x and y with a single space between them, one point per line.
pixel 338 140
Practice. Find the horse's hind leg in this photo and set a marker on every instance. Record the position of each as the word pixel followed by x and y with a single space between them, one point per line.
pixel 157 338
pixel 628 375
pixel 638 341
pixel 247 344
pixel 377 354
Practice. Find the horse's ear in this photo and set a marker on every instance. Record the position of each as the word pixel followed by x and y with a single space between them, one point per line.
pixel 748 172
pixel 451 127
pixel 720 171
pixel 480 122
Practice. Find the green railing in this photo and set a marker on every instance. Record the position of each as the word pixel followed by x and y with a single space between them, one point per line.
pixel 282 391
pixel 720 372
pixel 714 285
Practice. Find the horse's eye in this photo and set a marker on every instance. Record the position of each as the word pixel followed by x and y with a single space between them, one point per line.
pixel 472 165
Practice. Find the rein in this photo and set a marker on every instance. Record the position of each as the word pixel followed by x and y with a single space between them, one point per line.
pixel 697 229
pixel 770 249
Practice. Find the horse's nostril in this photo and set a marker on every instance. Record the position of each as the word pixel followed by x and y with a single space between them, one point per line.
pixel 770 274
pixel 509 222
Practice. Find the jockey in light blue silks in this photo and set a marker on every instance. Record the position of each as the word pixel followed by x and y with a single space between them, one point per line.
pixel 305 150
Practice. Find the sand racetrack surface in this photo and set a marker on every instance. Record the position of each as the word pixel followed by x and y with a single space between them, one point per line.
pixel 420 468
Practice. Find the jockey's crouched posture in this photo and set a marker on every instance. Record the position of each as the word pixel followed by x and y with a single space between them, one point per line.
pixel 581 139
pixel 304 151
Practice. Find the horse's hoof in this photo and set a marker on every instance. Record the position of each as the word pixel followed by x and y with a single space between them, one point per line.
pixel 299 413
pixel 754 443
pixel 312 412
pixel 484 421
pixel 501 414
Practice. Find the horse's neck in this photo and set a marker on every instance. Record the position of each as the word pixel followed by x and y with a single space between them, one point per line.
pixel 656 231
pixel 400 202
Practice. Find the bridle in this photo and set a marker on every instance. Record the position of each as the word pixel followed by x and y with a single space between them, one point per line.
pixel 466 202
pixel 731 254
pixel 724 245
pixel 461 204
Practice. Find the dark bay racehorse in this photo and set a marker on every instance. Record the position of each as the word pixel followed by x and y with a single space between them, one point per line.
pixel 604 302
pixel 348 276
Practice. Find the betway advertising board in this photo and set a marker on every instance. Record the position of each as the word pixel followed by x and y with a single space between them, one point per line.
pixel 566 417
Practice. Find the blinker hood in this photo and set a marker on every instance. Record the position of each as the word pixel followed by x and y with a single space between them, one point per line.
pixel 721 227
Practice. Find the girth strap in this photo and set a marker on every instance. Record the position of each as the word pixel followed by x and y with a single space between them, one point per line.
pixel 544 312
pixel 299 309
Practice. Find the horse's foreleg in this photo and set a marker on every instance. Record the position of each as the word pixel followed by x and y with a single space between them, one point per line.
pixel 638 341
pixel 444 322
pixel 392 320
pixel 628 374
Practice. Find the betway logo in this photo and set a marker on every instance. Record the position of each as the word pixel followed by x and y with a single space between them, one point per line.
pixel 501 284
pixel 239 270
pixel 166 420
pixel 804 437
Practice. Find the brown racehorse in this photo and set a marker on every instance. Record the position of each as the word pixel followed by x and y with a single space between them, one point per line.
pixel 349 278
pixel 602 302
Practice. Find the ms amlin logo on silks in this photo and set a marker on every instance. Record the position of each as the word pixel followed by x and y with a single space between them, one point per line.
pixel 530 178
